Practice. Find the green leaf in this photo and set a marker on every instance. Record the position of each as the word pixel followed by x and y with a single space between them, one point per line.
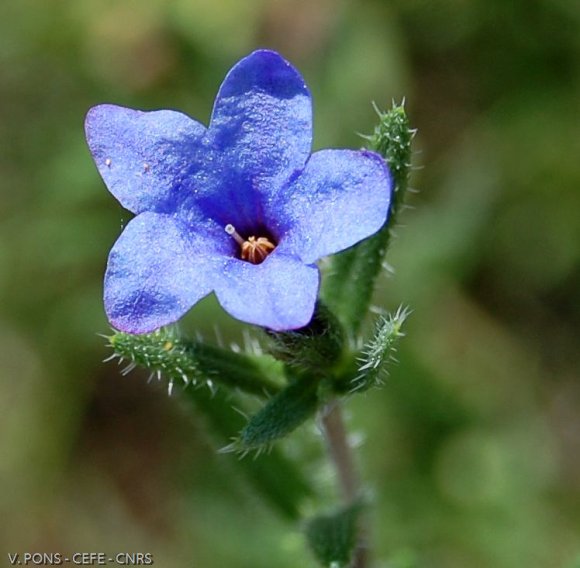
pixel 187 363
pixel 333 537
pixel 313 348
pixel 379 351
pixel 272 475
pixel 282 414
pixel 191 362
pixel 392 139
pixel 349 284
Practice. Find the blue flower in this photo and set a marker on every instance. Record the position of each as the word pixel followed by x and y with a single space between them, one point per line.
pixel 241 208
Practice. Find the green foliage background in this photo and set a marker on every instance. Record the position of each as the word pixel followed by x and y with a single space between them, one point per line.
pixel 473 448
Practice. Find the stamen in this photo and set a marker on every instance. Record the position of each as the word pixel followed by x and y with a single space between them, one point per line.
pixel 254 250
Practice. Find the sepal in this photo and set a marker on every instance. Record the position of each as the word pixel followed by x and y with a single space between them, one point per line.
pixel 314 348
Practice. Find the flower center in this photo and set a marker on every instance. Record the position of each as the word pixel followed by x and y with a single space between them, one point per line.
pixel 253 249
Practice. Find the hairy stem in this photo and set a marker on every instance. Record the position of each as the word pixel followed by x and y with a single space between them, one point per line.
pixel 341 454
pixel 340 451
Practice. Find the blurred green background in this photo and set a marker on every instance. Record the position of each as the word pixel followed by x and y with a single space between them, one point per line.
pixel 473 448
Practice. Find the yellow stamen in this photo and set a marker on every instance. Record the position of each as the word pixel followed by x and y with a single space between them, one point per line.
pixel 254 250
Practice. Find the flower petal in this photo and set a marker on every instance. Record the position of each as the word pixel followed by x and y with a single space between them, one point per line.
pixel 341 197
pixel 279 293
pixel 262 122
pixel 143 156
pixel 157 270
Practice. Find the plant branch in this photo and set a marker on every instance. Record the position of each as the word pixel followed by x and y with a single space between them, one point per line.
pixel 340 452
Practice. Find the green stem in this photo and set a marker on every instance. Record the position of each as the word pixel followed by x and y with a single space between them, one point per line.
pixel 340 452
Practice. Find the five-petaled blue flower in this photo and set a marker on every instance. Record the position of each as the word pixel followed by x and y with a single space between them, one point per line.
pixel 240 208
